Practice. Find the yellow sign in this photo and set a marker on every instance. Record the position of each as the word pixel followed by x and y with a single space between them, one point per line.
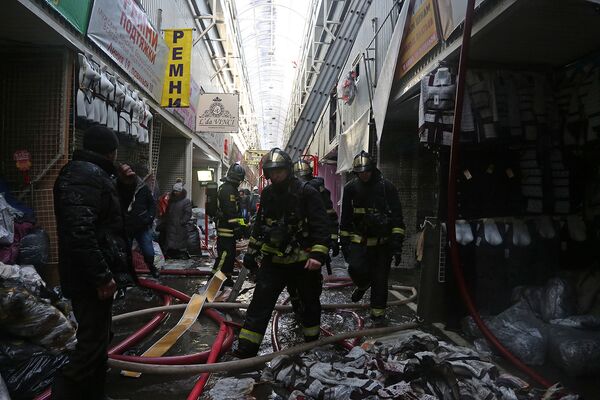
pixel 176 88
pixel 253 156
pixel 420 36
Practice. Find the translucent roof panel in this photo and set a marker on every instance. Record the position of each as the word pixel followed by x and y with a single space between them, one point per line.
pixel 272 38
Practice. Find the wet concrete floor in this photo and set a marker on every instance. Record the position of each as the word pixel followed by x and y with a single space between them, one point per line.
pixel 202 333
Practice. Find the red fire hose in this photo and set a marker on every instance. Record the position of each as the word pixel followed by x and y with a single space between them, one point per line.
pixel 452 211
pixel 212 358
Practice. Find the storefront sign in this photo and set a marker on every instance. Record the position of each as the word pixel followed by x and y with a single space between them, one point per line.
pixel 188 115
pixel 452 13
pixel 124 32
pixel 77 12
pixel 218 112
pixel 420 36
pixel 176 87
pixel 253 157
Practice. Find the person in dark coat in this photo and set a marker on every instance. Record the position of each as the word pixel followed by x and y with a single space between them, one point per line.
pixel 174 222
pixel 371 232
pixel 140 216
pixel 291 238
pixel 94 255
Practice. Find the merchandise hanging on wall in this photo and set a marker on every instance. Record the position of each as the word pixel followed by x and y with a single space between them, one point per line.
pixel 104 99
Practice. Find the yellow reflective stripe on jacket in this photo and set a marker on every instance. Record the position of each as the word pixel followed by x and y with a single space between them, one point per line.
pixel 298 255
pixel 269 221
pixel 227 235
pixel 398 230
pixel 239 221
pixel 344 233
pixel 331 211
pixel 225 230
pixel 318 248
pixel 334 236
pixel 252 240
pixel 359 210
pixel 311 330
pixel 377 312
pixel 265 248
pixel 250 336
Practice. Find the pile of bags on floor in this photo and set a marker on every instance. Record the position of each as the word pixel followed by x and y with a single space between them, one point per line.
pixel 35 332
pixel 409 365
pixel 556 322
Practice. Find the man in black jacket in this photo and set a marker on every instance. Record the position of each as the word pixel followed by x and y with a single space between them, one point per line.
pixel 140 216
pixel 94 255
pixel 291 235
pixel 371 231
pixel 229 221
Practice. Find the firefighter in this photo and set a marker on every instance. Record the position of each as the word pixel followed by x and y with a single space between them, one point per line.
pixel 304 172
pixel 290 237
pixel 230 223
pixel 371 231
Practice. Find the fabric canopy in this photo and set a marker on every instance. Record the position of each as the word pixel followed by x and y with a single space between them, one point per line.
pixel 352 141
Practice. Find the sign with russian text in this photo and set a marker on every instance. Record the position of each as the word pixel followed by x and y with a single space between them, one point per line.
pixel 253 156
pixel 218 112
pixel 420 35
pixel 77 12
pixel 176 88
pixel 124 32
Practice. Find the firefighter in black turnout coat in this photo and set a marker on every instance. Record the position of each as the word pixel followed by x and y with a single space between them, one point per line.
pixel 229 221
pixel 371 231
pixel 291 237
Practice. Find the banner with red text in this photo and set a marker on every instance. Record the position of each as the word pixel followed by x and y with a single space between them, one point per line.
pixel 124 32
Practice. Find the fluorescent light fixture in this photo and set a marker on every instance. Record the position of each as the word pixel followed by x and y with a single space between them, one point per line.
pixel 205 175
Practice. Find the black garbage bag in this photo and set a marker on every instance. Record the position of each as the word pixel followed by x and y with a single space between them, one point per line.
pixel 575 351
pixel 15 351
pixel 31 377
pixel 558 300
pixel 34 248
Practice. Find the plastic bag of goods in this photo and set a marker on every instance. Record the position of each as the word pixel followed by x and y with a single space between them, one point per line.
pixel 26 316
pixel 575 351
pixel 558 300
pixel 34 248
pixel 520 331
pixel 34 375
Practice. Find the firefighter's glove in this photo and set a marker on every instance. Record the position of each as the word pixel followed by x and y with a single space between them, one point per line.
pixel 250 263
pixel 335 248
pixel 397 258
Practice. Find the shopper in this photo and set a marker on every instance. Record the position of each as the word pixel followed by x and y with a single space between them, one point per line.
pixel 371 231
pixel 174 223
pixel 94 255
pixel 254 201
pixel 291 237
pixel 229 221
pixel 140 216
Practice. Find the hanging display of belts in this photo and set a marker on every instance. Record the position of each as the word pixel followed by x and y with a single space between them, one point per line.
pixel 103 98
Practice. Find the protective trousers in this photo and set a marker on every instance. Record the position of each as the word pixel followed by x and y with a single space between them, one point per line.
pixel 226 254
pixel 369 266
pixel 271 279
pixel 85 375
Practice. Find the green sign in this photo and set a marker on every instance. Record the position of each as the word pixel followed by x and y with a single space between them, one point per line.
pixel 77 12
